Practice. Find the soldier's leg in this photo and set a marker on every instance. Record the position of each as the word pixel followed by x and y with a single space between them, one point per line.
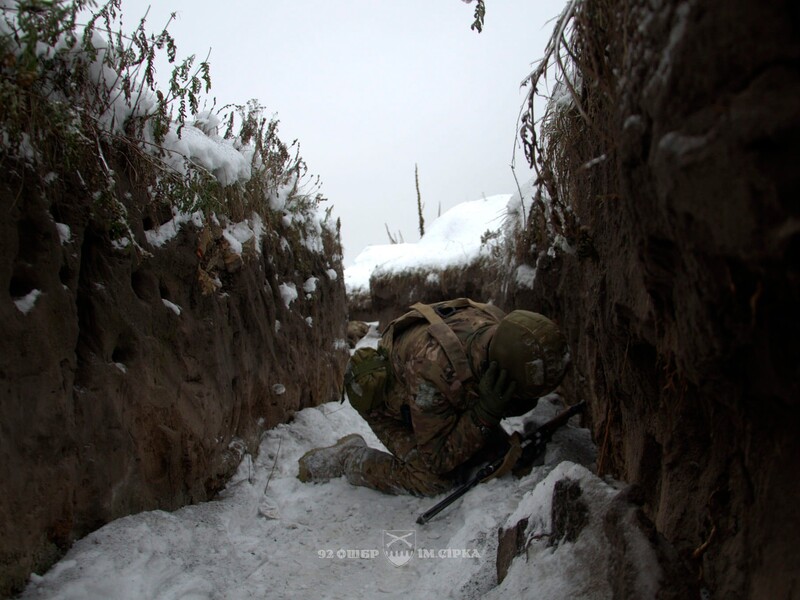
pixel 381 471
pixel 323 464
pixel 368 467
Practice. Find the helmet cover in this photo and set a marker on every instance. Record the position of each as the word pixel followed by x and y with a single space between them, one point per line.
pixel 534 353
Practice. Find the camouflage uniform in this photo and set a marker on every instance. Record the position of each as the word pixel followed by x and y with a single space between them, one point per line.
pixel 426 421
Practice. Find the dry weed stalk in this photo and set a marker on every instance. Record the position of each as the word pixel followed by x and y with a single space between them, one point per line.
pixel 555 46
pixel 570 145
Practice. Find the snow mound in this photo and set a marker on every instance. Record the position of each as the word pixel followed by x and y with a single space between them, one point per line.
pixel 452 240
pixel 216 155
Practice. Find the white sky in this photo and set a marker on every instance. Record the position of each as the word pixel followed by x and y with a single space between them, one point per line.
pixel 369 88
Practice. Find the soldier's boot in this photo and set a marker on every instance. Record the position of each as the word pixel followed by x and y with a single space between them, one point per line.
pixel 323 464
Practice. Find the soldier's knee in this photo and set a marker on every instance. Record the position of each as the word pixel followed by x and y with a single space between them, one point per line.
pixel 426 483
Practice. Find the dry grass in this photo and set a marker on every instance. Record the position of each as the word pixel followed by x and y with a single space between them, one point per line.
pixel 53 123
pixel 574 133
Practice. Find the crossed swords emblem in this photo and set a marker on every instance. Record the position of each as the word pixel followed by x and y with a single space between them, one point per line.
pixel 406 548
pixel 399 538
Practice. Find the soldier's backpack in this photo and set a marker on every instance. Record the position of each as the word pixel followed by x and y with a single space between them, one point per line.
pixel 367 378
pixel 435 314
pixel 369 372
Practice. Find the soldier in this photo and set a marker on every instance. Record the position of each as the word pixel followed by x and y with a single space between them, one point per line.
pixel 434 392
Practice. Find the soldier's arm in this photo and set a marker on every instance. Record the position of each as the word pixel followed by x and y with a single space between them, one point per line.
pixel 446 437
pixel 397 436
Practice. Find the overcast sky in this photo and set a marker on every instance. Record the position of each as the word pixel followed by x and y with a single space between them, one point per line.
pixel 371 87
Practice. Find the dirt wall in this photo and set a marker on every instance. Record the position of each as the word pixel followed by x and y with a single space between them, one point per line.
pixel 138 382
pixel 680 297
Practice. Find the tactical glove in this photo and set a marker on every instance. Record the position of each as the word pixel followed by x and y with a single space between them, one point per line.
pixel 495 393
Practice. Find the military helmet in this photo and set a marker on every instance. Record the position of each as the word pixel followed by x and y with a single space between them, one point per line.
pixel 534 353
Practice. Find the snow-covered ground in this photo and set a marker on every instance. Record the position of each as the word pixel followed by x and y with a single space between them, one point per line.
pixel 268 535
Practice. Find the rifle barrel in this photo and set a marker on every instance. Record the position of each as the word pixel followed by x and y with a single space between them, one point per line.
pixel 545 433
pixel 432 512
pixel 542 435
pixel 458 492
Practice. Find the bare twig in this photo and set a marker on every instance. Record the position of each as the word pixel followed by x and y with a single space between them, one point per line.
pixel 521 199
pixel 419 202
pixel 604 447
pixel 570 87
pixel 274 464
pixel 553 48
pixel 701 549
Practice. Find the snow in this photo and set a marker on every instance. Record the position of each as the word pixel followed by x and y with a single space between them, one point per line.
pixel 269 535
pixel 173 307
pixel 26 303
pixel 567 569
pixel 518 208
pixel 526 276
pixel 288 293
pixel 162 234
pixel 196 144
pixel 214 154
pixel 236 234
pixel 234 243
pixel 256 223
pixel 452 240
pixel 312 226
pixel 679 144
pixel 121 243
pixel 279 198
pixel 207 122
pixel 310 285
pixel 64 233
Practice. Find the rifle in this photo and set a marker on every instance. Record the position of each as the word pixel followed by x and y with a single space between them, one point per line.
pixel 532 447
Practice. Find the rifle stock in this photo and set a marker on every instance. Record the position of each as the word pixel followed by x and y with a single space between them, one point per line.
pixel 533 446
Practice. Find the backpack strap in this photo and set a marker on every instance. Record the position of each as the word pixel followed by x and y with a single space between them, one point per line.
pixel 490 309
pixel 448 340
pixel 439 330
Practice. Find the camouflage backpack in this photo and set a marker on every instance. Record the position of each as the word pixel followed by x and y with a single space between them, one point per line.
pixel 367 378
pixel 436 314
pixel 369 372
